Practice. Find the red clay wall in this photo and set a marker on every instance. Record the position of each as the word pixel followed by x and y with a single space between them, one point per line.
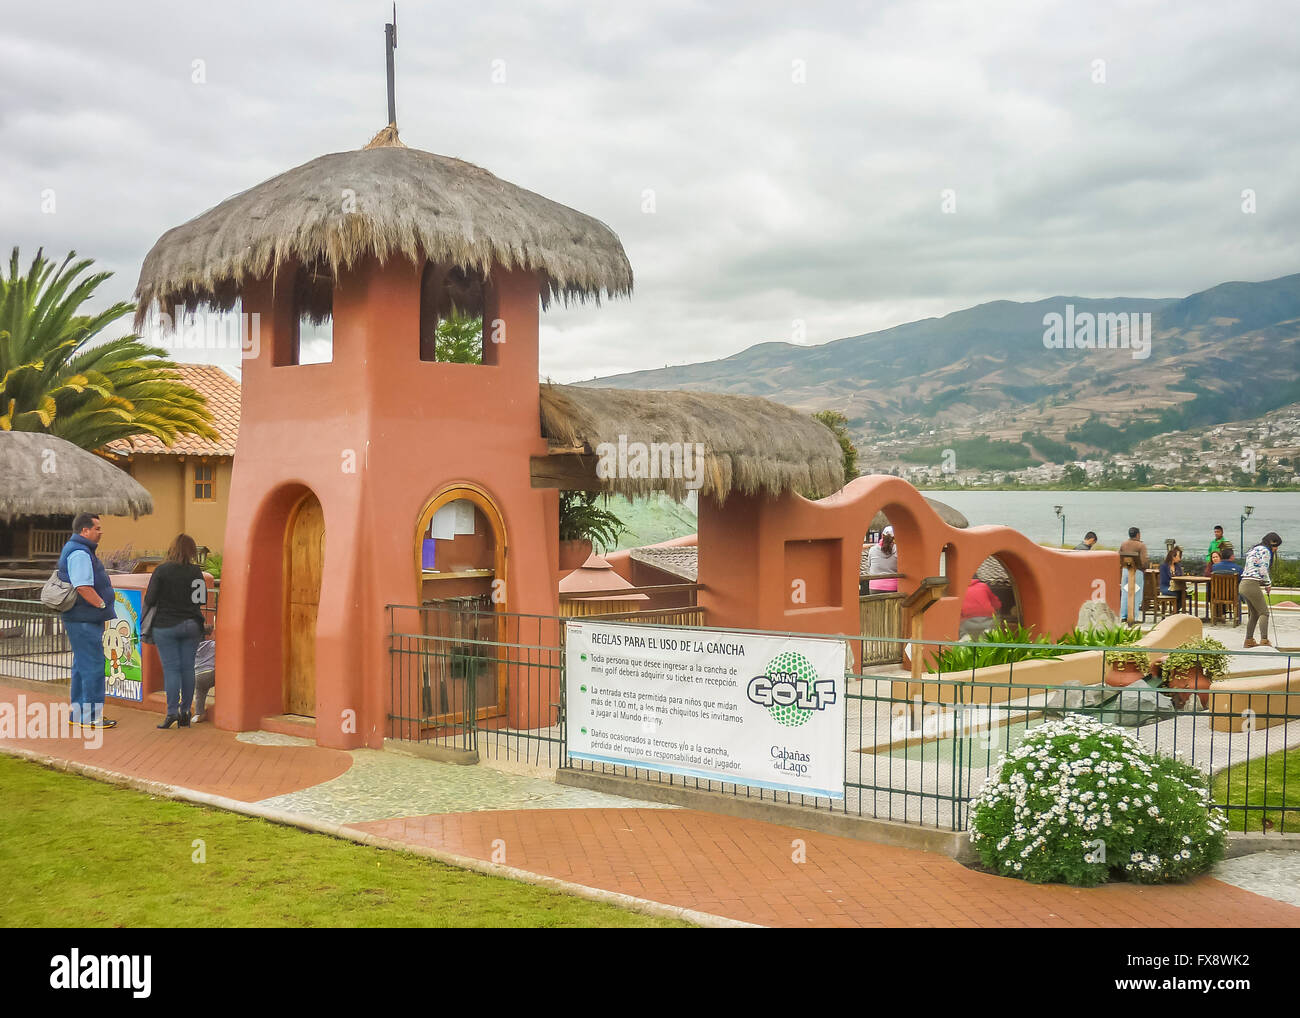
pixel 754 547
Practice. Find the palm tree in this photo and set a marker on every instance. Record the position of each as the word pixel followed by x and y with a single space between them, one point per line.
pixel 52 378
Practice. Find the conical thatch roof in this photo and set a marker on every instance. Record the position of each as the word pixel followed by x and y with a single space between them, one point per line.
pixel 407 202
pixel 947 513
pixel 41 475
pixel 750 444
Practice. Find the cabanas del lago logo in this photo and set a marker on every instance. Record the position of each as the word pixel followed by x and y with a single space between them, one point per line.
pixel 790 690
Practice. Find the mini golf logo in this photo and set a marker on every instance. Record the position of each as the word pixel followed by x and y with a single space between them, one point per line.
pixel 790 690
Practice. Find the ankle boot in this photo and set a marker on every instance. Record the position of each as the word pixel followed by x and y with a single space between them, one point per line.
pixel 169 720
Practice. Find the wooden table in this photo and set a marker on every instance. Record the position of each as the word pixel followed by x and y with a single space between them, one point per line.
pixel 1192 585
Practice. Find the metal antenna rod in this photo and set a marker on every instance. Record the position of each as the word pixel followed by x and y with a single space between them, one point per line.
pixel 390 38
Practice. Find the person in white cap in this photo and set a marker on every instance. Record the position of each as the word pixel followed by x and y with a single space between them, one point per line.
pixel 882 558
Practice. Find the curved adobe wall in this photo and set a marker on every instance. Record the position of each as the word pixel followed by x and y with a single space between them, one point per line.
pixel 789 564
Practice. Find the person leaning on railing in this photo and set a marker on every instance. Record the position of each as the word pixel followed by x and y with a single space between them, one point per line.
pixel 883 558
pixel 1255 587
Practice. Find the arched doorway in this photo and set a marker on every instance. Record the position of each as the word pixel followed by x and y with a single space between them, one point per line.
pixel 304 559
pixel 460 552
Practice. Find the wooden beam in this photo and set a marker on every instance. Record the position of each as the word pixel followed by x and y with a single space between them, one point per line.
pixel 568 471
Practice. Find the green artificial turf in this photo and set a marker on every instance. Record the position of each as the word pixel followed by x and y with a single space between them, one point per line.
pixel 1242 785
pixel 78 852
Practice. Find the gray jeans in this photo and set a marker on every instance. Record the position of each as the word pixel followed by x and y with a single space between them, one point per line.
pixel 1256 599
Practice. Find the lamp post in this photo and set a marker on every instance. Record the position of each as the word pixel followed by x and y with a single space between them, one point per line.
pixel 1062 515
pixel 1241 548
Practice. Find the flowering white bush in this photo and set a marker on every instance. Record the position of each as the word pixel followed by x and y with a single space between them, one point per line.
pixel 1079 799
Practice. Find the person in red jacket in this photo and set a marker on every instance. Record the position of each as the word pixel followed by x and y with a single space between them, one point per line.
pixel 979 606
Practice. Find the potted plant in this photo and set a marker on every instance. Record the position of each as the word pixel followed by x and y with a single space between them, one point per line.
pixel 1126 665
pixel 583 523
pixel 1191 667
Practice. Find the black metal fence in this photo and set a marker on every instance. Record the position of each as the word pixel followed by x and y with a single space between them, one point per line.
pixel 33 644
pixel 915 751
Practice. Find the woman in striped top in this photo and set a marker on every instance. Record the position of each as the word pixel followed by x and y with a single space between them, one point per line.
pixel 1255 586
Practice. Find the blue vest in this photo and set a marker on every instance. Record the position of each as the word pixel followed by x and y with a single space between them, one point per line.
pixel 83 610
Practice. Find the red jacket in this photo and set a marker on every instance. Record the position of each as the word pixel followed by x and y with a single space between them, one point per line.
pixel 979 601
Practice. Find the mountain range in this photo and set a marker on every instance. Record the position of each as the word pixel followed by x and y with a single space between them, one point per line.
pixel 1231 352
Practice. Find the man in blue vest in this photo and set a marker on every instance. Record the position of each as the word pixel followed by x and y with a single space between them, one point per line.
pixel 84 621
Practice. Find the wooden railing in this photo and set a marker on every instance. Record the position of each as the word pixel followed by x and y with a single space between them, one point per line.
pixel 45 542
pixel 684 615
pixel 880 615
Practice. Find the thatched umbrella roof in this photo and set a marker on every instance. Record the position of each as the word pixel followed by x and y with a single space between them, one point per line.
pixel 41 475
pixel 407 202
pixel 947 513
pixel 750 444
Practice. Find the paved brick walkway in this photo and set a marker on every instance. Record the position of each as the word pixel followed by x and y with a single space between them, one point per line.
pixel 744 869
pixel 199 757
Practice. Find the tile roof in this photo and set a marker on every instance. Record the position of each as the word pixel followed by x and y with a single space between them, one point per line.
pixel 222 393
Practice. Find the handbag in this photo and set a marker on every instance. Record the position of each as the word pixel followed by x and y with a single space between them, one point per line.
pixel 58 594
pixel 146 625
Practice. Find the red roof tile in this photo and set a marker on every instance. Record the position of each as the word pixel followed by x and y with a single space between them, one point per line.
pixel 222 393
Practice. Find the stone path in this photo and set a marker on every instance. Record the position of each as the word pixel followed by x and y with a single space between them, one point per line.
pixel 1275 874
pixel 381 785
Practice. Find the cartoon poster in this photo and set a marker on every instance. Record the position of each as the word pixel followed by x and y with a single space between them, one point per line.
pixel 122 648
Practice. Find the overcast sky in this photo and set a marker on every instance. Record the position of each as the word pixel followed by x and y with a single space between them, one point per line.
pixel 798 153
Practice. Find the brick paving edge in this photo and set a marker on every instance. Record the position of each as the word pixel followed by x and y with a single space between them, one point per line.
pixel 346 833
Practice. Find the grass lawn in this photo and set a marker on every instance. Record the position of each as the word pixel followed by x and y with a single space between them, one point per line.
pixel 78 852
pixel 1232 786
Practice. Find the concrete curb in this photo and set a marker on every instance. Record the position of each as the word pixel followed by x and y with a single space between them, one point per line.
pixel 345 833
pixel 1248 844
pixel 954 844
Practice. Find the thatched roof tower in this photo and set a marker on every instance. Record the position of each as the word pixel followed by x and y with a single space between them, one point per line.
pixel 41 475
pixel 384 199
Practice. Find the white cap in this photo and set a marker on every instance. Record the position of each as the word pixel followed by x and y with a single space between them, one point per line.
pixel 889 530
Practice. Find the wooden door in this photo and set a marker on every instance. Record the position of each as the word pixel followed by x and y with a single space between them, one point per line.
pixel 304 559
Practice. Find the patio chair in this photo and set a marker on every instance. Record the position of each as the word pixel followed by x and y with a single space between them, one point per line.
pixel 1223 597
pixel 1150 593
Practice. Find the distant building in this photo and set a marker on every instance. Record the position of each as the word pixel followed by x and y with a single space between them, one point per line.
pixel 190 482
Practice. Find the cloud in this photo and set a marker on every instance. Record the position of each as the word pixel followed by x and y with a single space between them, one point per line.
pixel 797 153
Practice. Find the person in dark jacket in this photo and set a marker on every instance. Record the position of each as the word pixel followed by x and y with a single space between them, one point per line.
pixel 84 621
pixel 177 593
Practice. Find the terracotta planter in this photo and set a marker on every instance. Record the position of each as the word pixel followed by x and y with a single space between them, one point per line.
pixel 1125 676
pixel 573 554
pixel 1194 679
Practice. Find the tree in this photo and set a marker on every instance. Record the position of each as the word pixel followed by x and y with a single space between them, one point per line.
pixel 55 378
pixel 839 426
pixel 459 339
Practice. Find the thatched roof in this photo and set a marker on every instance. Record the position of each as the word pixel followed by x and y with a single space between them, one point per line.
pixel 750 444
pixel 407 202
pixel 947 513
pixel 41 475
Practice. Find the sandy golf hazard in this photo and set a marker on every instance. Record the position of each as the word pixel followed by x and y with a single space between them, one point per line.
pixel 755 710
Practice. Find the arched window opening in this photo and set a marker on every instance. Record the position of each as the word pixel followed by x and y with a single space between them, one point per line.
pixel 452 301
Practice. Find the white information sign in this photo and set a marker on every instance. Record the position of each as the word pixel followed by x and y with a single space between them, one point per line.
pixel 755 710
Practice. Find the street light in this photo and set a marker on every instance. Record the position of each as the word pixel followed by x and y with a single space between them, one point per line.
pixel 1242 546
pixel 1061 514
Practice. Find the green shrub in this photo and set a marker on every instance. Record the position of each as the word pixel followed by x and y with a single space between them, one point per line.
pixel 212 564
pixel 1186 657
pixel 991 649
pixel 1129 657
pixel 1079 800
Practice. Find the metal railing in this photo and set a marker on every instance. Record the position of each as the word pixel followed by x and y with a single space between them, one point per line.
pixel 916 751
pixel 33 643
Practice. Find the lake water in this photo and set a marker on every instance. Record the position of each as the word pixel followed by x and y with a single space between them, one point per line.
pixel 1187 517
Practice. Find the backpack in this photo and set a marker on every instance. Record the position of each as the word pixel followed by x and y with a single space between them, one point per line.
pixel 58 594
